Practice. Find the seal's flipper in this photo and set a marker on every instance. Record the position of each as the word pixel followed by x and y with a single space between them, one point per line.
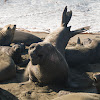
pixel 78 40
pixel 80 30
pixel 66 16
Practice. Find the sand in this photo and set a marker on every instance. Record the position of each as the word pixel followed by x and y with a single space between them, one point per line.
pixel 12 90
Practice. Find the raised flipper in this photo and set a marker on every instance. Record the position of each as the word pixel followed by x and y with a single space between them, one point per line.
pixel 66 16
pixel 78 40
pixel 80 30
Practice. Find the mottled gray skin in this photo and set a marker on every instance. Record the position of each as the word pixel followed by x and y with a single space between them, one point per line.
pixel 47 63
pixel 79 54
pixel 7 67
pixel 7 34
pixel 14 52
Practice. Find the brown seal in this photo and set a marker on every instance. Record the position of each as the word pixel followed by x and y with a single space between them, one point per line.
pixel 7 67
pixel 47 62
pixel 26 38
pixel 7 34
pixel 83 54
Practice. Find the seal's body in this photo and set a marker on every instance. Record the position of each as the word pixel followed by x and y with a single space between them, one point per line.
pixel 45 60
pixel 7 67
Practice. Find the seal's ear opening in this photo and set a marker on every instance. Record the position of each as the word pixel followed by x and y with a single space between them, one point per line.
pixel 66 16
pixel 32 46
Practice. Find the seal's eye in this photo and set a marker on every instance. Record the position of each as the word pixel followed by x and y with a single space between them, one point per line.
pixel 31 47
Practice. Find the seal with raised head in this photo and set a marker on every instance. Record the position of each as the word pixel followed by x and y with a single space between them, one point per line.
pixel 14 52
pixel 7 67
pixel 47 62
pixel 7 34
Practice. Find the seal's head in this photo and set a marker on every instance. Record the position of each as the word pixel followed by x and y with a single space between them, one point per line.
pixel 16 53
pixel 13 27
pixel 6 29
pixel 16 47
pixel 40 52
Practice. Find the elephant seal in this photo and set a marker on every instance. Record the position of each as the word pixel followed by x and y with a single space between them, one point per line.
pixel 39 68
pixel 79 96
pixel 47 62
pixel 7 67
pixel 14 52
pixel 87 53
pixel 25 37
pixel 7 34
